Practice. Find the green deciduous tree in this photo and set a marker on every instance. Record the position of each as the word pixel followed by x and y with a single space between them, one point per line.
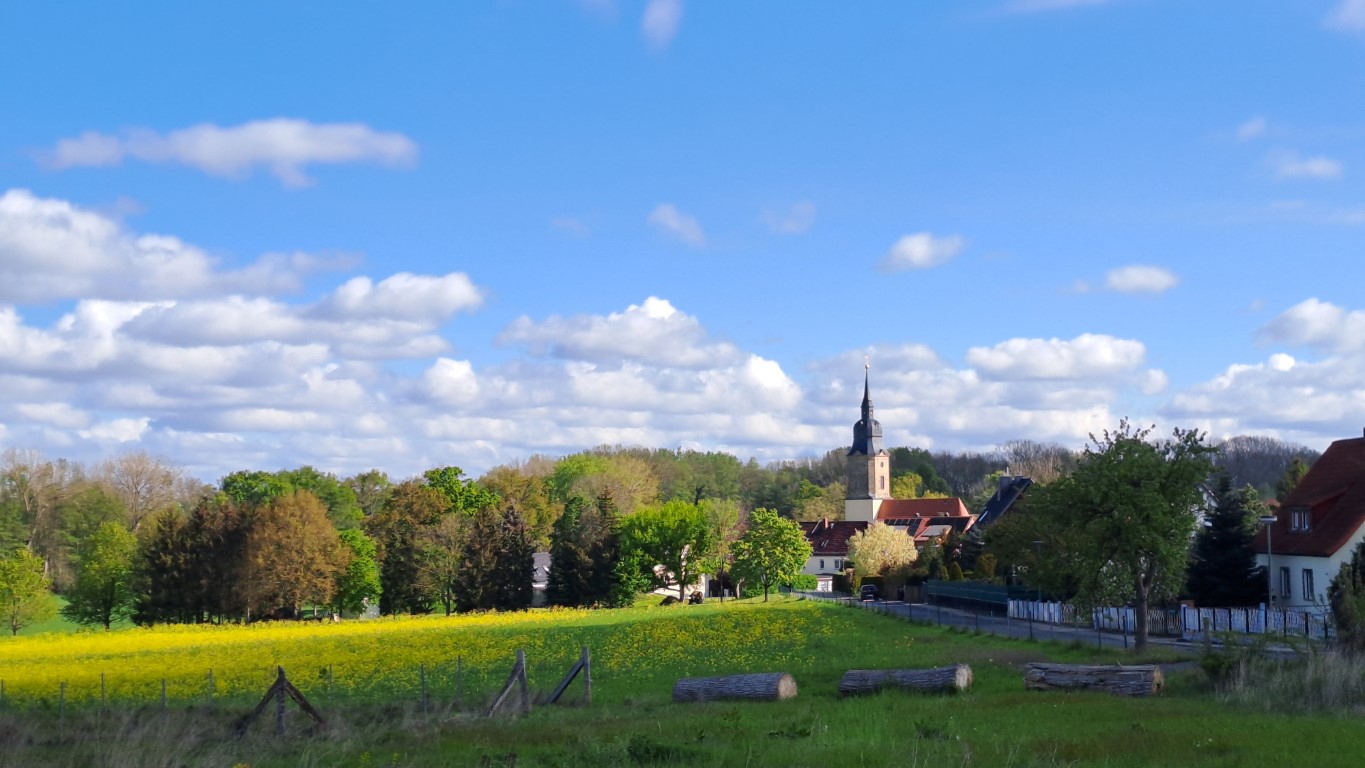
pixel 292 557
pixel 442 557
pixel 1347 598
pixel 25 597
pixel 1290 479
pixel 463 494
pixel 675 536
pixel 254 488
pixel 1223 570
pixel 881 550
pixel 397 530
pixel 342 507
pixel 1125 517
pixel 772 550
pixel 103 592
pixel 359 585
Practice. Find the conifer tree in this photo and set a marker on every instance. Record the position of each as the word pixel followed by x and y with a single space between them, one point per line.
pixel 475 587
pixel 614 582
pixel 1223 570
pixel 571 570
pixel 515 565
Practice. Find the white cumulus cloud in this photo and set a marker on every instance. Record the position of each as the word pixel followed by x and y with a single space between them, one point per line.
pixel 1252 128
pixel 681 226
pixel 1291 166
pixel 284 146
pixel 51 249
pixel 661 21
pixel 653 331
pixel 1348 16
pixel 1318 324
pixel 1086 356
pixel 1140 278
pixel 921 250
pixel 794 221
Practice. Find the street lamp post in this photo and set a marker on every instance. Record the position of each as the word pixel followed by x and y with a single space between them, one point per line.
pixel 1267 521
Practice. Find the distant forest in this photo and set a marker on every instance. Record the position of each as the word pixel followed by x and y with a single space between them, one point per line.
pixel 50 506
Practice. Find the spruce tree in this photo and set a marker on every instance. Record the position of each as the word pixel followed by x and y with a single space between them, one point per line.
pixel 570 564
pixel 475 587
pixel 1223 570
pixel 514 565
pixel 614 583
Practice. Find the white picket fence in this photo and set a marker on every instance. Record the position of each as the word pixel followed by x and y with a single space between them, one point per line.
pixel 1314 623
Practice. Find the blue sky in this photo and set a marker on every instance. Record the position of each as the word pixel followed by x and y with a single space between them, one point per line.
pixel 253 236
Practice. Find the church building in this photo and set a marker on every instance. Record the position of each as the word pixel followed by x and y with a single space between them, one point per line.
pixel 869 499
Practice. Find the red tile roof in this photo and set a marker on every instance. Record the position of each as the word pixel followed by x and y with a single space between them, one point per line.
pixel 1334 492
pixel 892 509
pixel 829 538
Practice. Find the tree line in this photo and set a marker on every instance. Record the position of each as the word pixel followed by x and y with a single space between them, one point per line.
pixel 267 544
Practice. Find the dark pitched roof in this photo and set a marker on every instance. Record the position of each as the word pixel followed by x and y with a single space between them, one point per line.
pixel 1333 493
pixel 1006 494
pixel 829 538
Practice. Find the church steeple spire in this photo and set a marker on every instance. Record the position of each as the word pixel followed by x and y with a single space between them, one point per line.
pixel 869 465
pixel 867 433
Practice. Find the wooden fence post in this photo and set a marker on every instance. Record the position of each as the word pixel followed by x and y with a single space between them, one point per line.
pixel 281 688
pixel 515 680
pixel 279 706
pixel 584 665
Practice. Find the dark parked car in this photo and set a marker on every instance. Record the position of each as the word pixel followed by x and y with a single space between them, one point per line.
pixel 870 592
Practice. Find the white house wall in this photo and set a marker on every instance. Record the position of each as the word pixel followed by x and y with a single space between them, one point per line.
pixel 1324 569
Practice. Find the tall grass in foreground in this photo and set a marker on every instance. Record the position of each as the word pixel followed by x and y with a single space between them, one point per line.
pixel 1316 681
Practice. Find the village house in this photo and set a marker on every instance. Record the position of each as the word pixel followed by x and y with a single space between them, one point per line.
pixel 1316 528
pixel 869 499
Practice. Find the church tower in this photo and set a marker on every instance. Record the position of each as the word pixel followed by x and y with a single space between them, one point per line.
pixel 869 465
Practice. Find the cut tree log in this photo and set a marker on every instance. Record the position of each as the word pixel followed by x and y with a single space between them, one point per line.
pixel 762 686
pixel 953 678
pixel 1140 680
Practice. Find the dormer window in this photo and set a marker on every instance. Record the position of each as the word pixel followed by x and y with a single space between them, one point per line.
pixel 1300 519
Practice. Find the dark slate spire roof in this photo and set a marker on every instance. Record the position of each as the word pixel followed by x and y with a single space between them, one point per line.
pixel 867 433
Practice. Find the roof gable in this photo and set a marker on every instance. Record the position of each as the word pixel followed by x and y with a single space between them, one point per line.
pixel 1333 494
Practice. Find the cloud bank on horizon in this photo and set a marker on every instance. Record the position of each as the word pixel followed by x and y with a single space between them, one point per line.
pixel 541 281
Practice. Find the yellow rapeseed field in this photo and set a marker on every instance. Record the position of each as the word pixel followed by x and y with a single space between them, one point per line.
pixel 381 658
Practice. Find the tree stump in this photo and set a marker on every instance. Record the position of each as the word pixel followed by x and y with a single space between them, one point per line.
pixel 953 678
pixel 762 686
pixel 1140 680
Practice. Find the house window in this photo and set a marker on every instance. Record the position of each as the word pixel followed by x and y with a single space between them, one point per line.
pixel 1284 582
pixel 1299 519
pixel 837 565
pixel 1308 584
pixel 822 563
pixel 881 482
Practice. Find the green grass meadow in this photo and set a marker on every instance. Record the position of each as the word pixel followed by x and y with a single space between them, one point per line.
pixel 638 654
